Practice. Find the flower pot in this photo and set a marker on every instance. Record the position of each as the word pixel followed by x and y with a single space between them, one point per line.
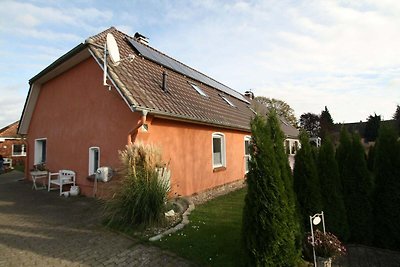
pixel 74 191
pixel 324 262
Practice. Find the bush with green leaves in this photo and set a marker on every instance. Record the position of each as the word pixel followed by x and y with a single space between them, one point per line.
pixel 268 231
pixel 306 182
pixel 331 189
pixel 357 187
pixel 140 200
pixel 387 196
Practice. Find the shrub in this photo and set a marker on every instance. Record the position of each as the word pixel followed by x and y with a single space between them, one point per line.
pixel 306 182
pixel 145 186
pixel 331 190
pixel 387 197
pixel 268 232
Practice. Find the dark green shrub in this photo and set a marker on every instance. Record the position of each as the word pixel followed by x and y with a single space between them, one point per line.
pixel 331 189
pixel 306 182
pixel 357 187
pixel 267 231
pixel 143 193
pixel 387 196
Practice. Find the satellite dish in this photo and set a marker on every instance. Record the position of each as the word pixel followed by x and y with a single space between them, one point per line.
pixel 112 49
pixel 316 220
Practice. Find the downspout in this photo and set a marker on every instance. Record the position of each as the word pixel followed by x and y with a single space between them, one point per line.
pixel 137 126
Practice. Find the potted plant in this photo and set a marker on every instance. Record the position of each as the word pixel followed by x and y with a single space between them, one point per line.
pixel 327 247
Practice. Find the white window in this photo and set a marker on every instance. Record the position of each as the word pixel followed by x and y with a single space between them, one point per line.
pixel 94 159
pixel 227 101
pixel 218 148
pixel 247 144
pixel 18 150
pixel 198 89
pixel 40 150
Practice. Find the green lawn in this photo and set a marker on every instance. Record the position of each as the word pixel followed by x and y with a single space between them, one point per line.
pixel 212 238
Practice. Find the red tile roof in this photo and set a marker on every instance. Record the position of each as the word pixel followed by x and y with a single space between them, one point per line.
pixel 9 130
pixel 140 81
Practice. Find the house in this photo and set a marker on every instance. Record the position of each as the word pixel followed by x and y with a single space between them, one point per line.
pixel 12 146
pixel 72 121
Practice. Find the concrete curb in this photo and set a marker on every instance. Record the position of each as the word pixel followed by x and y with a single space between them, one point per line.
pixel 179 226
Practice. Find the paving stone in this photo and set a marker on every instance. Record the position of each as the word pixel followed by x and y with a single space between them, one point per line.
pixel 38 228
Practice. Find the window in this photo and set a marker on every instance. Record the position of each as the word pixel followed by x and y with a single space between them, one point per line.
pixel 218 148
pixel 287 146
pixel 94 159
pixel 247 156
pixel 18 150
pixel 195 87
pixel 40 150
pixel 227 101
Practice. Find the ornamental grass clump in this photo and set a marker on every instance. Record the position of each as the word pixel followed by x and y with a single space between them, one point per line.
pixel 326 245
pixel 141 198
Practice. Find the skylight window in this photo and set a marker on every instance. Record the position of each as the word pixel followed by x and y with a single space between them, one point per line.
pixel 227 101
pixel 195 87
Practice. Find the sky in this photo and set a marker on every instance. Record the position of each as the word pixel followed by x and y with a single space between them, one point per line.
pixel 341 54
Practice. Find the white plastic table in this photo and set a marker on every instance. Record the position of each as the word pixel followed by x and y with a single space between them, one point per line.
pixel 39 176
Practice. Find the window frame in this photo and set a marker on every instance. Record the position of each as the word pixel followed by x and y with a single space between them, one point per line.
pixel 38 155
pixel 223 150
pixel 91 165
pixel 23 150
pixel 228 101
pixel 247 157
pixel 198 89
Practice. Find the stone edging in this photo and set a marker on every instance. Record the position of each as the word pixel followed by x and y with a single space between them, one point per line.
pixel 179 226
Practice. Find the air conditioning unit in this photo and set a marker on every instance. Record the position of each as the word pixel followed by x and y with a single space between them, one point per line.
pixel 104 174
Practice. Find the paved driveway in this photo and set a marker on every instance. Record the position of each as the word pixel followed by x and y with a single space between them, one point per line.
pixel 43 229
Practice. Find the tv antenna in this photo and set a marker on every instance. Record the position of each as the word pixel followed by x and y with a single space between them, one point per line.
pixel 111 48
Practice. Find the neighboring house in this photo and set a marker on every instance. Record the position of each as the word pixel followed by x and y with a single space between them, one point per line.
pixel 72 121
pixel 12 146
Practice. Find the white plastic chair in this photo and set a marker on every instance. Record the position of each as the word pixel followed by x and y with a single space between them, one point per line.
pixel 63 177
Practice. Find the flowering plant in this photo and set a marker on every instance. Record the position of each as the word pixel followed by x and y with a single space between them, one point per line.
pixel 326 245
pixel 40 167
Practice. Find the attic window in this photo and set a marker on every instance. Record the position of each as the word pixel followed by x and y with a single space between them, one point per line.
pixel 227 101
pixel 195 87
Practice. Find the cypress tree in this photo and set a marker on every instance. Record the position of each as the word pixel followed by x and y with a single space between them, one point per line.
pixel 267 233
pixel 387 196
pixel 331 189
pixel 357 186
pixel 306 183
pixel 278 139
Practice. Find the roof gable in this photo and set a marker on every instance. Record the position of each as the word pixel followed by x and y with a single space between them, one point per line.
pixel 9 130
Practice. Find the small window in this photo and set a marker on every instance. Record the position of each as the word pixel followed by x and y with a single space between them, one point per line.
pixel 94 159
pixel 218 148
pixel 197 88
pixel 40 151
pixel 287 147
pixel 18 150
pixel 227 101
pixel 247 156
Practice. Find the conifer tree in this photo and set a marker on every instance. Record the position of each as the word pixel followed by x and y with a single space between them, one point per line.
pixel 357 186
pixel 267 233
pixel 331 189
pixel 387 196
pixel 326 123
pixel 306 183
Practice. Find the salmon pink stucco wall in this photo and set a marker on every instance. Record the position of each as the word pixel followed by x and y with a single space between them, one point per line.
pixel 188 148
pixel 74 111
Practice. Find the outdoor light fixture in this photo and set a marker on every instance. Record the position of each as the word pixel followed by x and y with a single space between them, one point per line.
pixel 315 220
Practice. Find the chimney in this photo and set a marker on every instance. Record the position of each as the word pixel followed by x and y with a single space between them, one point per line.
pixel 141 38
pixel 164 81
pixel 249 94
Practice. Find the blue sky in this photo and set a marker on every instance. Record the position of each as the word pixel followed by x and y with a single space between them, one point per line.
pixel 342 54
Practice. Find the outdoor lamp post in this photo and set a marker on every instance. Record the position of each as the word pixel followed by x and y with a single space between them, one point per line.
pixel 315 220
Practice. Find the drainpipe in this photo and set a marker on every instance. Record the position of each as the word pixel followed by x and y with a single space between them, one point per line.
pixel 137 126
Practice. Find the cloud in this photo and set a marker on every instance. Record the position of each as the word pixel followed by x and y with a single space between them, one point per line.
pixel 11 103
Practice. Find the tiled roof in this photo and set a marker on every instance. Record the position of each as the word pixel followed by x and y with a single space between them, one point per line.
pixel 140 82
pixel 9 130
